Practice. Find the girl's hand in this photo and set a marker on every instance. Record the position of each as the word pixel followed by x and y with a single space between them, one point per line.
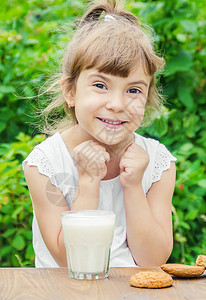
pixel 132 166
pixel 90 159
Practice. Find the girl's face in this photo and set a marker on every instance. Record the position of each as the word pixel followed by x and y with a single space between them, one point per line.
pixel 109 108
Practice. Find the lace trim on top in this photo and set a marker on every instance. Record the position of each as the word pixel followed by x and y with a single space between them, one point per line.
pixel 37 158
pixel 162 163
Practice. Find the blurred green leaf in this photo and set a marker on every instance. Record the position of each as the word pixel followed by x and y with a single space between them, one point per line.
pixel 202 183
pixel 16 212
pixel 179 238
pixel 6 89
pixel 189 26
pixel 9 232
pixel 181 62
pixel 18 242
pixel 5 251
pixel 2 126
pixel 184 93
pixel 192 214
pixel 29 254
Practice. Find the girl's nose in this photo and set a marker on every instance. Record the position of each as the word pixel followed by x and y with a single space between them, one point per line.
pixel 115 103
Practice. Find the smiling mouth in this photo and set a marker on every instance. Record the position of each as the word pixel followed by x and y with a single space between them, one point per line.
pixel 112 123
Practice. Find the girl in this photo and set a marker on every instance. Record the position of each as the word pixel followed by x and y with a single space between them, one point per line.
pixel 106 83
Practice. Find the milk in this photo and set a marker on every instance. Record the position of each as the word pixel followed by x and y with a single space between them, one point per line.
pixel 88 236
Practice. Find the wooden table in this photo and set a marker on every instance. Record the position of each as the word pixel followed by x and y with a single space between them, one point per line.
pixel 54 284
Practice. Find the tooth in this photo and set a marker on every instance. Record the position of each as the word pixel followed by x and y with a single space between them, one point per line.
pixel 111 122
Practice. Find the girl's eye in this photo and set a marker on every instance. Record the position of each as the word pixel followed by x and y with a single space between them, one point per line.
pixel 100 86
pixel 134 91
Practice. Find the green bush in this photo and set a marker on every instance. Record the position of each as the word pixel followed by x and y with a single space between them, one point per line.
pixel 30 49
pixel 16 208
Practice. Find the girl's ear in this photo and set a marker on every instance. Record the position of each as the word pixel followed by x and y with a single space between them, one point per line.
pixel 70 98
pixel 68 95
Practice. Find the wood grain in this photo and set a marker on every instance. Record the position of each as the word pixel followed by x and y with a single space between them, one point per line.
pixel 26 284
pixel 55 284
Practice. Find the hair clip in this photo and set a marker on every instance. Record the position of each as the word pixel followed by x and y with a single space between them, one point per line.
pixel 109 18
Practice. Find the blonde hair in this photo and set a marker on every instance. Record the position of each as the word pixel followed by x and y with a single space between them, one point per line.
pixel 113 45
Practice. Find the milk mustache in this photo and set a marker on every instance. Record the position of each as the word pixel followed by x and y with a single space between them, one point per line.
pixel 88 236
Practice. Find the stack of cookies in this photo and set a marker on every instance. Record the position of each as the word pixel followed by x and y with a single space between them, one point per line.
pixel 152 280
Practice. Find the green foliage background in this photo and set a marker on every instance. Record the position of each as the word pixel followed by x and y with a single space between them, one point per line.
pixel 30 50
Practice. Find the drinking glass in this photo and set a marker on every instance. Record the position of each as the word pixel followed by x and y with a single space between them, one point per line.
pixel 88 237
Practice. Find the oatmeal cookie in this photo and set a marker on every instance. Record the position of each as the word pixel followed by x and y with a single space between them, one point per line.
pixel 151 280
pixel 181 270
pixel 201 261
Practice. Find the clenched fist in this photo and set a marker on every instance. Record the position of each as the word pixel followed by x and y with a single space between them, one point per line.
pixel 132 166
pixel 90 159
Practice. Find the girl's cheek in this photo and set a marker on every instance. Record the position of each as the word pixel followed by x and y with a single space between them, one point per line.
pixel 89 106
pixel 136 109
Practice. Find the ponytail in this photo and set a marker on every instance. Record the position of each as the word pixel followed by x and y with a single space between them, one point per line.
pixel 115 8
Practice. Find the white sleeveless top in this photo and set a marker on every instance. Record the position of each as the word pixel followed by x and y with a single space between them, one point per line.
pixel 53 160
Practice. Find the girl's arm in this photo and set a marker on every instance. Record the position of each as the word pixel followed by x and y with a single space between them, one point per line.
pixel 48 209
pixel 149 218
pixel 49 203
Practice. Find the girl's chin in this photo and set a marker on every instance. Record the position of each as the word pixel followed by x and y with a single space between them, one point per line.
pixel 110 140
pixel 117 144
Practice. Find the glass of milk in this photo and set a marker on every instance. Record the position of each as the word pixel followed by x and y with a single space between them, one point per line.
pixel 88 237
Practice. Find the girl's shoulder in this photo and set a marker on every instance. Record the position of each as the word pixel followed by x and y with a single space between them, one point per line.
pixel 52 148
pixel 50 156
pixel 152 146
pixel 51 144
pixel 160 156
pixel 146 143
